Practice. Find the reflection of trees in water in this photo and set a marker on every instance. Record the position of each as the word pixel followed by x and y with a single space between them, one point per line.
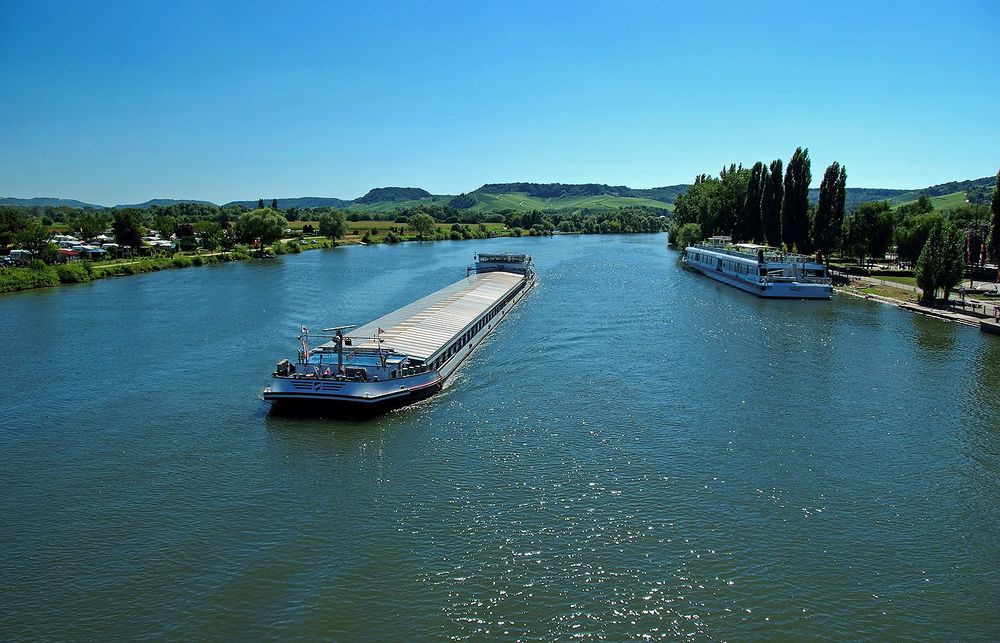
pixel 936 338
pixel 981 491
pixel 987 369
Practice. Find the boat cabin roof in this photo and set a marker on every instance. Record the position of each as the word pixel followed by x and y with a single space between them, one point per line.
pixel 354 358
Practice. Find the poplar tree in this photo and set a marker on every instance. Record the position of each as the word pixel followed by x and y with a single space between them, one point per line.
pixel 771 204
pixel 824 225
pixel 994 243
pixel 752 210
pixel 274 204
pixel 839 202
pixel 795 206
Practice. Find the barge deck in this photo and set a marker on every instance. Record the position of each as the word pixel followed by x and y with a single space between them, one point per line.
pixel 407 354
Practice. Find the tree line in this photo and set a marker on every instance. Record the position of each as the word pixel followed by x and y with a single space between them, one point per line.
pixel 769 204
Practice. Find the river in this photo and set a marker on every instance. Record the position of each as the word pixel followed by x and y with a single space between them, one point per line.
pixel 637 451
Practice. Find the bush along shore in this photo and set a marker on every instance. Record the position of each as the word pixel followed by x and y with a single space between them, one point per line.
pixel 41 275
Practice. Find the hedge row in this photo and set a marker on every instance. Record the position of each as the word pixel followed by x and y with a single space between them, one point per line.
pixel 40 275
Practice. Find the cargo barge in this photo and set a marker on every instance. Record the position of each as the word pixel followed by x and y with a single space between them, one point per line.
pixel 406 355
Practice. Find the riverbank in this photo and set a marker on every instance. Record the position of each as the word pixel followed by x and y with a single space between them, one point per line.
pixel 967 311
pixel 41 275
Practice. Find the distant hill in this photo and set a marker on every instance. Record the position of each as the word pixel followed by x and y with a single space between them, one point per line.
pixel 525 202
pixel 299 202
pixel 975 190
pixel 44 201
pixel 560 190
pixel 148 204
pixel 856 196
pixel 389 195
pixel 524 196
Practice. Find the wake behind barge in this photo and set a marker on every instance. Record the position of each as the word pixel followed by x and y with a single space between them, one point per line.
pixel 408 354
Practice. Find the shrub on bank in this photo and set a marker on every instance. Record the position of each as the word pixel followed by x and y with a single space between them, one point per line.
pixel 13 279
pixel 73 273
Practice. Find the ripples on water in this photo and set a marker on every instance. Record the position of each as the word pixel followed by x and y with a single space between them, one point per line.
pixel 637 452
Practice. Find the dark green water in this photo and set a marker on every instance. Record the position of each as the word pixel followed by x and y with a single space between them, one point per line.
pixel 637 451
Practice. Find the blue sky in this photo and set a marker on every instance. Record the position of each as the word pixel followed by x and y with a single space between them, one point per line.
pixel 122 102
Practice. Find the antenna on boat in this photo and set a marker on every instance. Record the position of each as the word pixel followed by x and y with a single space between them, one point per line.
pixel 339 331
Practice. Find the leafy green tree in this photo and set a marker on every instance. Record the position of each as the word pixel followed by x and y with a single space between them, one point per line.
pixel 940 263
pixel 868 231
pixel 823 222
pixel 33 236
pixel 11 220
pixel 127 227
pixel 994 239
pixel 732 214
pixel 795 206
pixel 929 264
pixel 752 220
pixel 186 240
pixel 332 224
pixel 165 224
pixel 770 204
pixel 688 235
pixel 911 235
pixel 274 204
pixel 89 224
pixel 209 234
pixel 839 203
pixel 423 224
pixel 953 258
pixel 701 204
pixel 261 225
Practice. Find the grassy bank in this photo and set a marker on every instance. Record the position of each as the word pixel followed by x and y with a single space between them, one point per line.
pixel 40 275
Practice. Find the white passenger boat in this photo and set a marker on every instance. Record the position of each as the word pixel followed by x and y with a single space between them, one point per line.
pixel 761 270
pixel 408 354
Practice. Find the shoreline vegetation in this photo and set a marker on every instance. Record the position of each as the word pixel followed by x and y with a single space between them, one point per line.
pixel 931 250
pixel 932 242
pixel 43 246
pixel 39 274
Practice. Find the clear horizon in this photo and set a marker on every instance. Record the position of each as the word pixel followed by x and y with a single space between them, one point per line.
pixel 222 102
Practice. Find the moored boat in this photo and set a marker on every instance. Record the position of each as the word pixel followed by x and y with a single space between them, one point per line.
pixel 408 354
pixel 761 270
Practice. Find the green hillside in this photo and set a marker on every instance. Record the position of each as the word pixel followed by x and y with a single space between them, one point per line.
pixel 523 202
pixel 940 203
pixel 299 202
pixel 145 205
pixel 393 205
pixel 519 201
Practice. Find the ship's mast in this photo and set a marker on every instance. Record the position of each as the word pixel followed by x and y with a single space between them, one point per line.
pixel 339 330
